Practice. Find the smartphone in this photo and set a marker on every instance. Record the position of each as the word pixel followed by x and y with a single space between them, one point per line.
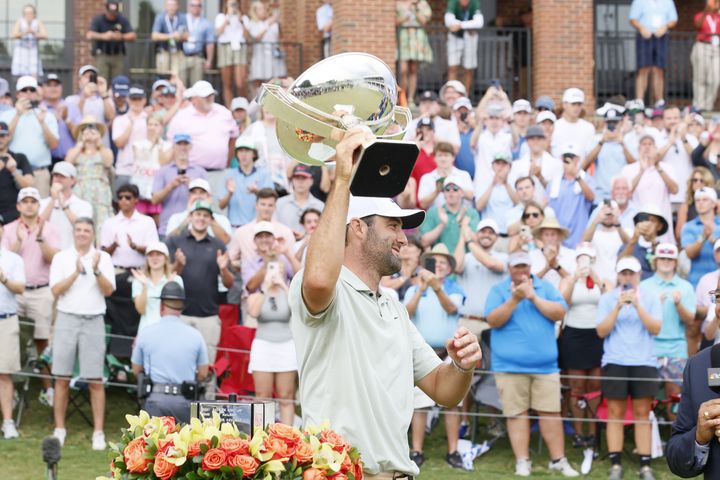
pixel 430 264
pixel 525 230
pixel 625 288
pixel 4 158
pixel 607 202
pixel 182 171
pixel 34 103
pixel 464 116
pixel 93 77
pixel 583 261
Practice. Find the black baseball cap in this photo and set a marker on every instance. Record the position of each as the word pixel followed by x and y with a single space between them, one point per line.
pixel 428 96
pixel 4 129
pixel 52 77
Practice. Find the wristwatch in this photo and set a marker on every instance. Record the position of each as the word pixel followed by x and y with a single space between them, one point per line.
pixel 558 268
pixel 96 273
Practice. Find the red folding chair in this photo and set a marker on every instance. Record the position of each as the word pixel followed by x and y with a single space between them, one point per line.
pixel 232 365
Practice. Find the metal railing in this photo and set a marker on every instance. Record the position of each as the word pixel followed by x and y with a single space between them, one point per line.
pixel 504 54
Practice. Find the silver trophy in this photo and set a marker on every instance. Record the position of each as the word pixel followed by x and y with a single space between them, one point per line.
pixel 337 94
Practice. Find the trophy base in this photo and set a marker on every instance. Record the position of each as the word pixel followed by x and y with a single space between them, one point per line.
pixel 383 168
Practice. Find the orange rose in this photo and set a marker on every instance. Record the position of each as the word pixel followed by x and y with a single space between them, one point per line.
pixel 194 448
pixel 347 464
pixel 248 464
pixel 284 432
pixel 359 471
pixel 134 454
pixel 169 423
pixel 303 452
pixel 314 474
pixel 163 469
pixel 279 448
pixel 235 446
pixel 339 476
pixel 334 439
pixel 214 459
pixel 164 444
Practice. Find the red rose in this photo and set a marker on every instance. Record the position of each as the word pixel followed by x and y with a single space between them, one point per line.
pixel 347 464
pixel 194 448
pixel 335 440
pixel 134 454
pixel 248 464
pixel 314 474
pixel 284 432
pixel 338 476
pixel 303 452
pixel 359 471
pixel 235 446
pixel 280 449
pixel 214 459
pixel 169 423
pixel 164 444
pixel 163 469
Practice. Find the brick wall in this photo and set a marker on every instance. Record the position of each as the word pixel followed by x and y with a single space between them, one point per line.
pixel 83 11
pixel 297 19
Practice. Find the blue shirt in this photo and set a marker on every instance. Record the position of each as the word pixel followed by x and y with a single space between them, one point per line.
pixel 705 261
pixel 65 138
pixel 671 342
pixel 170 351
pixel 162 24
pixel 435 324
pixel 610 161
pixel 526 342
pixel 498 206
pixel 629 342
pixel 572 209
pixel 28 138
pixel 200 33
pixel 653 14
pixel 241 209
pixel 465 159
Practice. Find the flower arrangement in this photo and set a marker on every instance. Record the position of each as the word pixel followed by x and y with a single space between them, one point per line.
pixel 158 448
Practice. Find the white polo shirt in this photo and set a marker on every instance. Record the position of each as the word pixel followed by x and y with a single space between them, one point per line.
pixel 141 229
pixel 78 206
pixel 84 296
pixel 14 268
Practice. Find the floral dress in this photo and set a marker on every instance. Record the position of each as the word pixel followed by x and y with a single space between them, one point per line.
pixel 412 40
pixel 93 185
pixel 26 56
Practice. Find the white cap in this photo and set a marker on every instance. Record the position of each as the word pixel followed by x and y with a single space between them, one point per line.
pixel 716 245
pixel 30 192
pixel 157 247
pixel 453 180
pixel 545 115
pixel 462 102
pixel 202 88
pixel 628 263
pixel 570 149
pixel 666 250
pixel 573 95
pixel 160 83
pixel 454 84
pixel 263 227
pixel 706 192
pixel 26 81
pixel 188 93
pixel 585 248
pixel 651 133
pixel 366 206
pixel 86 68
pixel 239 102
pixel 200 183
pixel 519 257
pixel 607 107
pixel 488 223
pixel 521 105
pixel 66 169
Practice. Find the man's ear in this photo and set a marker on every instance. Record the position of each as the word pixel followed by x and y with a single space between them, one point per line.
pixel 357 227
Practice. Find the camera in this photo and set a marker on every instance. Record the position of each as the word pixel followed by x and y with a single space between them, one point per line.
pixel 34 103
pixel 463 116
pixel 182 171
pixel 4 158
pixel 93 77
pixel 430 264
pixel 611 126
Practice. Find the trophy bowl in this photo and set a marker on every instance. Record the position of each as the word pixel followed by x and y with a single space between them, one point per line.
pixel 337 94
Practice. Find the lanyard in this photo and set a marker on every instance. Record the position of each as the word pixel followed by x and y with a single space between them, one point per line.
pixel 191 25
pixel 171 25
pixel 712 23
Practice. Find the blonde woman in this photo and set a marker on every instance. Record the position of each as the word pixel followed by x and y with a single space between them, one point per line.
pixel 413 44
pixel 699 177
pixel 149 281
pixel 532 216
pixel 267 57
pixel 94 164
pixel 26 55
pixel 150 154
pixel 232 50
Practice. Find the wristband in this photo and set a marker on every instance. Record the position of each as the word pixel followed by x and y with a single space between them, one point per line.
pixel 96 273
pixel 660 171
pixel 65 207
pixel 462 370
pixel 39 240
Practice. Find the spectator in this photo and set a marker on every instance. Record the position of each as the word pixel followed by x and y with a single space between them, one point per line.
pixel 5 98
pixel 652 181
pixel 676 148
pixel 270 153
pixel 522 311
pixel 706 283
pixel 199 189
pixel 571 195
pixel 463 19
pixel 169 31
pixel 199 47
pixel 607 236
pixel 411 16
pixel 521 110
pixel 711 318
pixel 699 234
pixel 268 60
pixel 495 197
pixel 93 99
pixel 620 194
pixel 544 104
pixel 546 120
pixel 425 139
pixel 148 282
pixel 200 258
pixel 12 283
pixel 696 123
pixel 707 152
pixel 15 174
pixel 273 363
pixel 451 92
pixel 32 131
pixel 652 20
pixel 267 248
pixel 579 345
pixel 431 184
pixel 434 312
pixel 128 129
pixel 445 130
pixel 700 177
pixel 212 129
pixel 553 261
pixel 627 319
pixel 571 127
pixel 677 300
pixel 109 32
pixel 292 206
pixel 464 117
pixel 166 98
pixel 538 164
pixel 28 29
pixel 120 86
pixel 170 186
pixel 80 278
pixel 243 183
pixel 231 51
pixel 94 167
pixel 650 225
pixel 443 223
pixel 640 126
pixel 309 221
pixel 491 140
pixel 239 109
pixel 531 217
pixel 149 155
pixel 172 364
pixel 525 189
pixel 54 103
pixel 323 19
pixel 62 207
pixel 705 58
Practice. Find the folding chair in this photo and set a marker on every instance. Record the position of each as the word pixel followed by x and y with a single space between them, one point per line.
pixel 233 365
pixel 21 381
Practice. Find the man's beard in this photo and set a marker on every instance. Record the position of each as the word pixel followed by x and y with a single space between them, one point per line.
pixel 384 262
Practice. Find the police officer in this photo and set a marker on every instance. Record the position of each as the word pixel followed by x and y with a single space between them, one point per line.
pixel 172 355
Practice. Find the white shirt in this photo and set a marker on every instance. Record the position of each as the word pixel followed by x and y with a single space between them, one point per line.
pixel 233 33
pixel 428 184
pixel 550 168
pixel 632 139
pixel 445 131
pixel 84 296
pixel 13 267
pixel 323 16
pixel 680 161
pixel 566 259
pixel 141 229
pixel 488 145
pixel 78 206
pixel 580 133
pixel 607 244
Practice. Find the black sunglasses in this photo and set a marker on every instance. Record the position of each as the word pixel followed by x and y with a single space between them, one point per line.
pixel 452 188
pixel 125 197
pixel 531 214
pixel 29 89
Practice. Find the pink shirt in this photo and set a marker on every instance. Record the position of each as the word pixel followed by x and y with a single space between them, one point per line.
pixel 125 156
pixel 37 270
pixel 242 244
pixel 652 191
pixel 141 229
pixel 210 133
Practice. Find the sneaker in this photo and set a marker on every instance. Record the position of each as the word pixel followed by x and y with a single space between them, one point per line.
pixel 98 441
pixel 646 473
pixel 9 430
pixel 47 397
pixel 523 467
pixel 417 457
pixel 464 429
pixel 588 457
pixel 455 460
pixel 60 434
pixel 615 473
pixel 564 467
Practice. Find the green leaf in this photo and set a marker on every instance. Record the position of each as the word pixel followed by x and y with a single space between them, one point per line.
pixel 192 476
pixel 204 448
pixel 238 471
pixel 225 469
pixel 214 442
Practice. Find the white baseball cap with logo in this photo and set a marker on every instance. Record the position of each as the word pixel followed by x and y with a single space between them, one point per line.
pixel 28 192
pixel 706 192
pixel 26 81
pixel 200 183
pixel 521 105
pixel 573 95
pixel 239 102
pixel 488 223
pixel 203 88
pixel 666 250
pixel 545 115
pixel 66 169
pixel 361 207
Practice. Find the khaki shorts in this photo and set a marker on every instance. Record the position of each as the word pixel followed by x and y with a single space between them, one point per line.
pixel 209 328
pixel 42 181
pixel 520 392
pixel 166 62
pixel 227 57
pixel 81 337
pixel 37 305
pixel 9 345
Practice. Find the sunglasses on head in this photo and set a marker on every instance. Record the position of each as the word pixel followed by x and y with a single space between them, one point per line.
pixel 452 188
pixel 531 215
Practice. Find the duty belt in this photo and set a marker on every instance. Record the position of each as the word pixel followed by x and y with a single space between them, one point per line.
pixel 167 388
